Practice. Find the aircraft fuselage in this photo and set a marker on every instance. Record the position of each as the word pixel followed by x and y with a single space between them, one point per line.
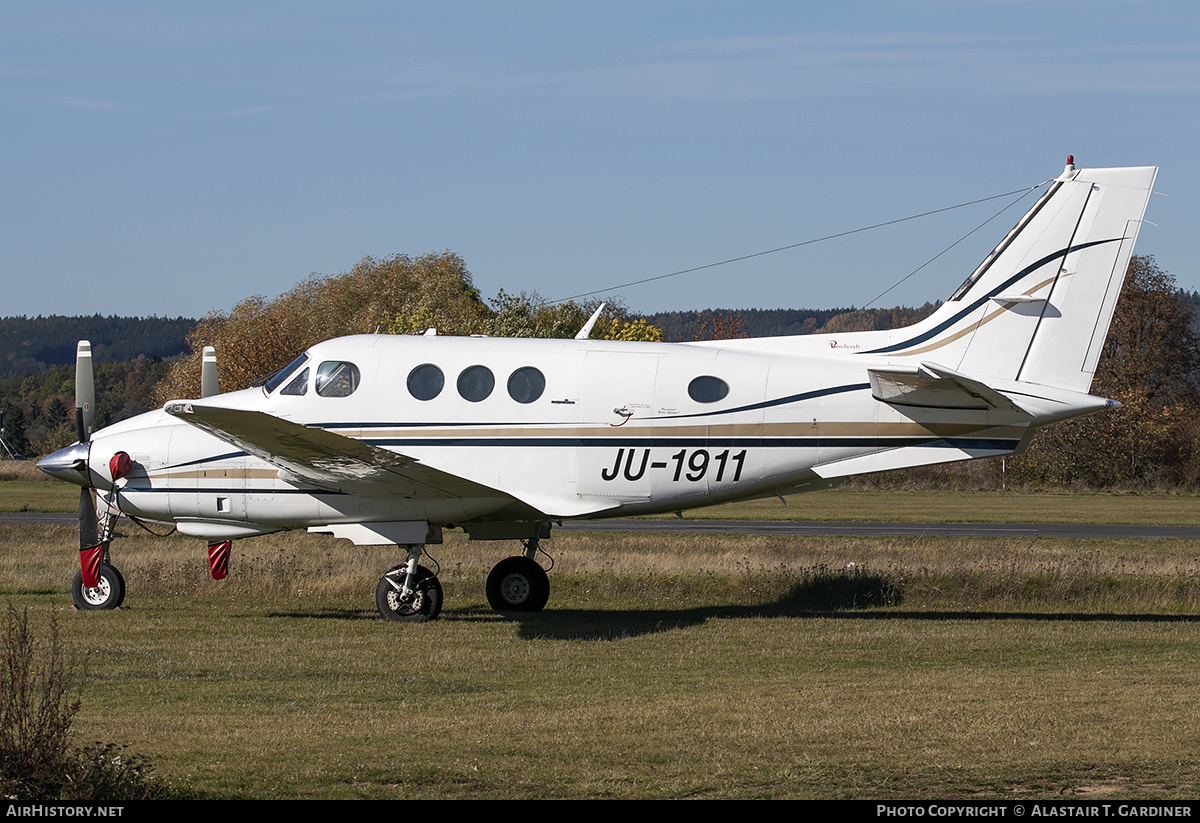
pixel 614 428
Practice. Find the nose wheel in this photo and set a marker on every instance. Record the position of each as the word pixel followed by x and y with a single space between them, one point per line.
pixel 421 602
pixel 108 593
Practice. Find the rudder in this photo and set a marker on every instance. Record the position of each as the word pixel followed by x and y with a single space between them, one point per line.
pixel 1038 308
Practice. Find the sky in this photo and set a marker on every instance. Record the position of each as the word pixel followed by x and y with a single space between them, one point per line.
pixel 173 158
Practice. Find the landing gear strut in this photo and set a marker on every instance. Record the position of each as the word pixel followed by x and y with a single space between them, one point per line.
pixel 109 591
pixel 519 584
pixel 409 593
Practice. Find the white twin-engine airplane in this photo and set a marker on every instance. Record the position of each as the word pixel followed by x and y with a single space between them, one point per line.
pixel 386 439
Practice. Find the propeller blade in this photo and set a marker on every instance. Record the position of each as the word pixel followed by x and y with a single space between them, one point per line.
pixel 89 527
pixel 85 394
pixel 90 549
pixel 208 372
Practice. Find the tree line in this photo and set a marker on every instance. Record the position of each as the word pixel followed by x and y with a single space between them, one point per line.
pixel 33 344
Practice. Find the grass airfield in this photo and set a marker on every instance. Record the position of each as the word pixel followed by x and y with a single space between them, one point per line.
pixel 666 666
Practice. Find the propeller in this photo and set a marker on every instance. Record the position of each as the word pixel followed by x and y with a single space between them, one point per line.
pixel 85 392
pixel 73 464
pixel 90 547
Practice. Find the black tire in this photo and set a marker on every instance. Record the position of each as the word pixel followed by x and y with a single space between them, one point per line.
pixel 426 603
pixel 518 584
pixel 120 579
pixel 109 594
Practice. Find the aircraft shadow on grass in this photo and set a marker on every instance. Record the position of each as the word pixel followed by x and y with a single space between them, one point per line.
pixel 858 595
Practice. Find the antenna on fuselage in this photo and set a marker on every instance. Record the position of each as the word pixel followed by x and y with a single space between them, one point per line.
pixel 208 372
pixel 587 327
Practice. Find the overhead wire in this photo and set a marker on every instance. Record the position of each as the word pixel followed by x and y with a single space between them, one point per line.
pixel 1022 192
pixel 1014 202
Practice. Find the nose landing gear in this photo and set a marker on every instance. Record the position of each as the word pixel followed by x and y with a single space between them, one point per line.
pixel 108 593
pixel 409 593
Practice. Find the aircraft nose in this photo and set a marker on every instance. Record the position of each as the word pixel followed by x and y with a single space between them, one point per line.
pixel 69 464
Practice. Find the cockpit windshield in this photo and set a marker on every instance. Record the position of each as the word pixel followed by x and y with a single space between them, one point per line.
pixel 274 381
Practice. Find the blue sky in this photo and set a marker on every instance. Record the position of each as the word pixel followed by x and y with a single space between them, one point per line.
pixel 172 158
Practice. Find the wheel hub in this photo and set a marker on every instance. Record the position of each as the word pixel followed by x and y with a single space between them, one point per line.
pixel 398 602
pixel 515 588
pixel 99 594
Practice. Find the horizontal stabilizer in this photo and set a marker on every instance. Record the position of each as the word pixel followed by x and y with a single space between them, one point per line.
pixel 936 387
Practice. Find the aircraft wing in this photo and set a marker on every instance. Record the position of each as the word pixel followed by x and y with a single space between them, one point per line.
pixel 325 459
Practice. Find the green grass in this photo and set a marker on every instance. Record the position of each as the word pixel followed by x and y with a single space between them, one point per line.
pixel 936 506
pixel 679 666
pixel 35 496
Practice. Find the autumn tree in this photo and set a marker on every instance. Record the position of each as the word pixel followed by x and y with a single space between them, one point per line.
pixel 876 319
pixel 639 329
pixel 720 325
pixel 399 295
pixel 1151 353
pixel 528 315
pixel 260 336
pixel 1149 365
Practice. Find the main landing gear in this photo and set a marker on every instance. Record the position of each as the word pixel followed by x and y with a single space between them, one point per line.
pixel 519 584
pixel 411 593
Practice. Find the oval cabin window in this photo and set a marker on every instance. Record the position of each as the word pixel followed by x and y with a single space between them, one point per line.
pixel 476 383
pixel 526 384
pixel 708 389
pixel 425 382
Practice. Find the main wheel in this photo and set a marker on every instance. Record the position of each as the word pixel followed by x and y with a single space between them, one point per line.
pixel 518 584
pixel 109 592
pixel 425 603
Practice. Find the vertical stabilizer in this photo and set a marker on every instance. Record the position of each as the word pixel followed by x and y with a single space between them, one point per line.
pixel 1038 308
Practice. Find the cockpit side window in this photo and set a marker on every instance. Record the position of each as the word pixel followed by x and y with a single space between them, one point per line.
pixel 298 387
pixel 337 378
pixel 276 380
